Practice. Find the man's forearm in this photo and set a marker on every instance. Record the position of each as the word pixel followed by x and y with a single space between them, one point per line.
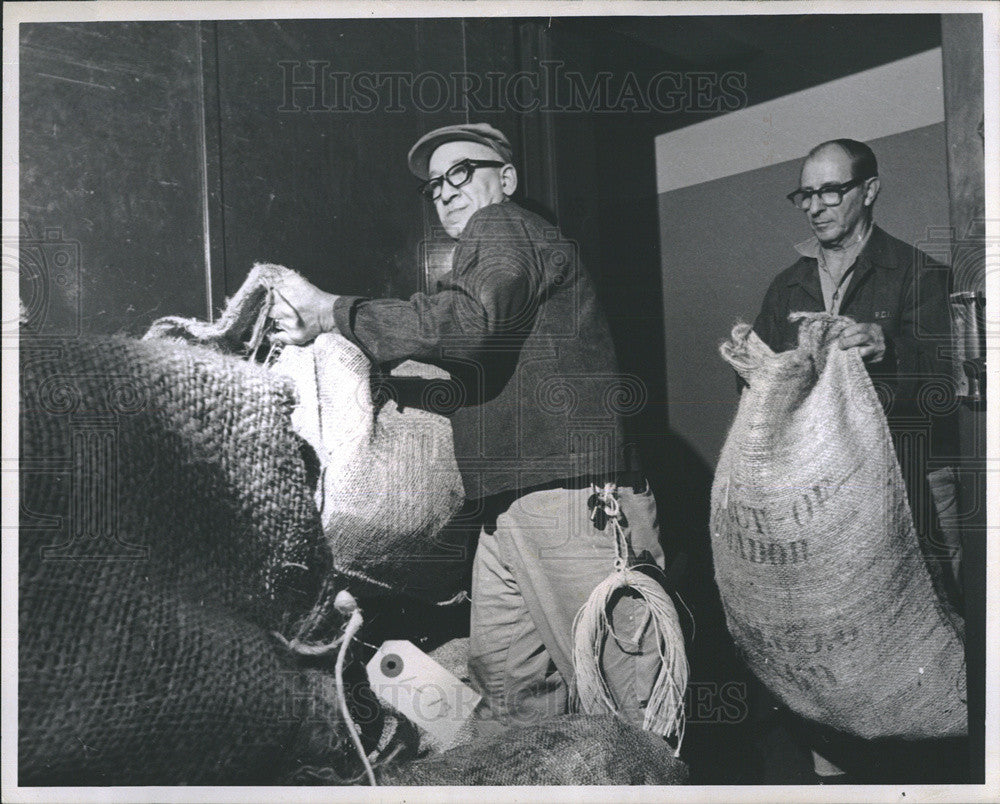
pixel 425 328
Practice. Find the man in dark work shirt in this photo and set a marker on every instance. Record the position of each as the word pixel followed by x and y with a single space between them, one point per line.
pixel 899 299
pixel 518 325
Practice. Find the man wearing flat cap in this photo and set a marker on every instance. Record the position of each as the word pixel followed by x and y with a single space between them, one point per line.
pixel 517 324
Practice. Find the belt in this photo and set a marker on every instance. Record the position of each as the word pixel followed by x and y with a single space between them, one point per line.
pixel 635 480
pixel 496 504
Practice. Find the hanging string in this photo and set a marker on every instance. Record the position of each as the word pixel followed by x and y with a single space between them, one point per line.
pixel 346 604
pixel 664 712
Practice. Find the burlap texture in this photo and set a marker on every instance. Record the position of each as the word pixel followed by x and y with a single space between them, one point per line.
pixel 825 589
pixel 568 750
pixel 166 530
pixel 389 482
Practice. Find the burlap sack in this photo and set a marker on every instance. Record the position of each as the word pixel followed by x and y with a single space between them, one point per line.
pixel 389 482
pixel 166 531
pixel 825 589
pixel 568 750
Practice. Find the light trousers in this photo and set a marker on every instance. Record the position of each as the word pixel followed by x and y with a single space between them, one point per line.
pixel 530 577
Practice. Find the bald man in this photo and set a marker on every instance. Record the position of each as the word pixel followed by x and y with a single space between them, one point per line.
pixel 899 298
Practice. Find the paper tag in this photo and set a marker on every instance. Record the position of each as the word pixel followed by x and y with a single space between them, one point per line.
pixel 406 678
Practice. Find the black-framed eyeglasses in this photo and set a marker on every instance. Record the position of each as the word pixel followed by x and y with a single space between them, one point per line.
pixel 458 175
pixel 830 195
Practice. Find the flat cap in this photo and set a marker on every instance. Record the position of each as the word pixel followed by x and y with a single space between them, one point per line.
pixel 484 133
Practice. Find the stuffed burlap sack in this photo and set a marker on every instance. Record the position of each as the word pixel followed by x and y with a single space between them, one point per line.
pixel 825 589
pixel 166 532
pixel 389 481
pixel 566 750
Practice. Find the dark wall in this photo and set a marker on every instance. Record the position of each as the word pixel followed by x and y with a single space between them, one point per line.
pixel 159 160
pixel 962 36
pixel 308 183
pixel 111 175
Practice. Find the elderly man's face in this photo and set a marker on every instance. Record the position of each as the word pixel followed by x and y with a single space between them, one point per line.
pixel 834 226
pixel 456 205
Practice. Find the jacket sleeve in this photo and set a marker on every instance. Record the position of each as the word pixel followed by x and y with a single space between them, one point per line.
pixel 766 325
pixel 490 297
pixel 769 324
pixel 924 386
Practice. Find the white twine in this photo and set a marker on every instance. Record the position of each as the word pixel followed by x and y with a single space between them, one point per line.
pixel 664 712
pixel 347 605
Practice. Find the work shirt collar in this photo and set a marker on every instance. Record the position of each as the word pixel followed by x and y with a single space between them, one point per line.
pixel 874 251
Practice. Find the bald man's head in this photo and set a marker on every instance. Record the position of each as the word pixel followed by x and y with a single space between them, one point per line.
pixel 862 158
pixel 850 166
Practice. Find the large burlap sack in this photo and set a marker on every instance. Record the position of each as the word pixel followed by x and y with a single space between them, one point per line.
pixel 568 750
pixel 825 588
pixel 166 531
pixel 389 482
